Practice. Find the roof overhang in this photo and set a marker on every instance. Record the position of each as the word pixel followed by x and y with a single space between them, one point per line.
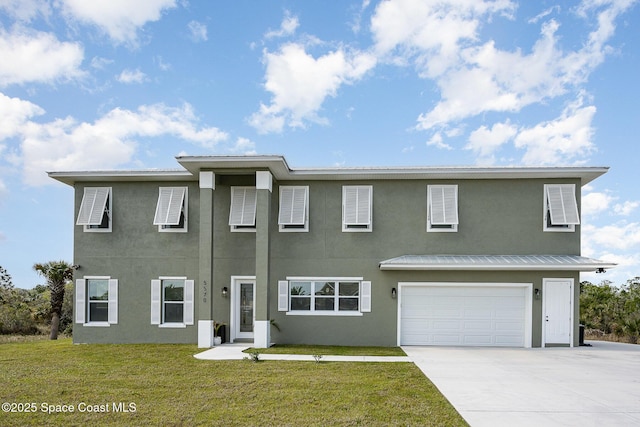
pixel 496 263
pixel 70 178
pixel 278 166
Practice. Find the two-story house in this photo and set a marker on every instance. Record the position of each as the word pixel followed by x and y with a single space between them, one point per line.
pixel 478 256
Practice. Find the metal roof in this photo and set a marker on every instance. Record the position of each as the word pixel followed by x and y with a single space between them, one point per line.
pixel 495 262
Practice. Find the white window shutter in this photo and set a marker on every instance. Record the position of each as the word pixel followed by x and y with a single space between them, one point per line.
pixel 169 207
pixel 81 288
pixel 562 203
pixel 283 295
pixel 94 200
pixel 113 301
pixel 443 204
pixel 243 206
pixel 156 301
pixel 293 205
pixel 356 205
pixel 365 297
pixel 188 302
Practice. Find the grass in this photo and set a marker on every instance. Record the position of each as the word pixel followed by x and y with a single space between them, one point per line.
pixel 170 387
pixel 326 350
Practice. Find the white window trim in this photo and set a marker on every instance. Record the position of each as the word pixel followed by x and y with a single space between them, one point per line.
pixel 290 226
pixel 286 305
pixel 562 228
pixel 108 207
pixel 242 227
pixel 450 227
pixel 164 226
pixel 357 226
pixel 157 305
pixel 82 303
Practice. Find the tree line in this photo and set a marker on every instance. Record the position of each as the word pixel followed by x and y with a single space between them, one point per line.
pixel 45 309
pixel 611 312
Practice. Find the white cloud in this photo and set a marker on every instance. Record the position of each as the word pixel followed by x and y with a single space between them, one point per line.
pixel 65 144
pixel 120 19
pixel 620 236
pixel 443 41
pixel 132 76
pixel 33 56
pixel 430 33
pixel 25 10
pixel 197 31
pixel 288 27
pixel 594 203
pixel 437 141
pixel 244 146
pixel 100 63
pixel 299 84
pixel 15 114
pixel 626 208
pixel 484 141
pixel 566 139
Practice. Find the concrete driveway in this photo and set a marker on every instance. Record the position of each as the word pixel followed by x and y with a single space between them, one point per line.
pixel 582 386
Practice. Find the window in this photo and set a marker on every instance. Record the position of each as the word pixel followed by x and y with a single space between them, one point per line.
pixel 96 301
pixel 171 210
pixel 324 296
pixel 356 207
pixel 560 207
pixel 442 208
pixel 95 209
pixel 172 302
pixel 242 214
pixel 294 209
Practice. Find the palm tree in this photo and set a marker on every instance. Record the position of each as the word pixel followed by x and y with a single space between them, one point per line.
pixel 57 273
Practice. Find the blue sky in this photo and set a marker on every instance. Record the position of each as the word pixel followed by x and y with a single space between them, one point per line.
pixel 122 84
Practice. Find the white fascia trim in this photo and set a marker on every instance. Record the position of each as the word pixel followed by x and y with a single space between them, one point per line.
pixel 502 267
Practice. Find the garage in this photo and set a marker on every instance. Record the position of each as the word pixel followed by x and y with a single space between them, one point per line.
pixel 465 314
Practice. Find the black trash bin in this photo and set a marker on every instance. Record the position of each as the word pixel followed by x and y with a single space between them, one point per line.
pixel 222 333
pixel 581 335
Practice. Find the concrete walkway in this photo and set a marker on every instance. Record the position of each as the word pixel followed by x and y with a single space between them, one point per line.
pixel 582 386
pixel 235 352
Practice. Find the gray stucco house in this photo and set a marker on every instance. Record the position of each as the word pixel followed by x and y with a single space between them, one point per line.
pixel 477 256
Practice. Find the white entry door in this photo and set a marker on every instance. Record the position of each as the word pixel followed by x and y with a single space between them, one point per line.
pixel 557 316
pixel 243 296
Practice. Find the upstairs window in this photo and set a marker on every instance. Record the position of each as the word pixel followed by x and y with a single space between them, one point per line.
pixel 171 210
pixel 442 208
pixel 95 209
pixel 242 214
pixel 356 208
pixel 294 209
pixel 560 207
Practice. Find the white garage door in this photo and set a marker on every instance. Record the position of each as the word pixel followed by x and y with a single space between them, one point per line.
pixel 465 314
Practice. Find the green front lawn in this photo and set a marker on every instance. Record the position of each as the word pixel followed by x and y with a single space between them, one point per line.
pixel 165 385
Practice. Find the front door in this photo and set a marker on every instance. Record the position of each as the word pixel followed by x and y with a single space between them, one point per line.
pixel 557 313
pixel 243 300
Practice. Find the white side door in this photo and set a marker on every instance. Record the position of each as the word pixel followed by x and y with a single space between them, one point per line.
pixel 557 315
